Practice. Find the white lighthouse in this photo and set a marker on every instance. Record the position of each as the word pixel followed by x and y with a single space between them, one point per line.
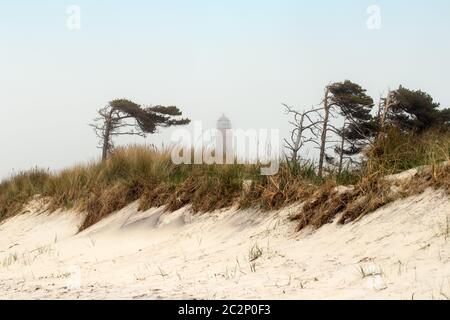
pixel 224 141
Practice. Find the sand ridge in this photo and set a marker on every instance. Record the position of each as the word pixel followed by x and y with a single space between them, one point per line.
pixel 401 251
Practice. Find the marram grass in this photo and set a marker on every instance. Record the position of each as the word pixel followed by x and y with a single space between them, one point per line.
pixel 146 175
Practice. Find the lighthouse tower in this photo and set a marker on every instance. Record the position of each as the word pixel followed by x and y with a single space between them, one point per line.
pixel 224 142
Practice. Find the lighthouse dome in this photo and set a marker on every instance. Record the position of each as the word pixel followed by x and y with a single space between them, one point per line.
pixel 223 123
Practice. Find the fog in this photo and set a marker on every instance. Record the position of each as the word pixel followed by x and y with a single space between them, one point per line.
pixel 243 60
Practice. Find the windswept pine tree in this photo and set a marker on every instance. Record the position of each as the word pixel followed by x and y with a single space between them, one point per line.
pixel 359 126
pixel 352 103
pixel 124 117
pixel 415 111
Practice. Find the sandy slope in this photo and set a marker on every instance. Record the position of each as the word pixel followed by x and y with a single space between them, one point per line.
pixel 401 251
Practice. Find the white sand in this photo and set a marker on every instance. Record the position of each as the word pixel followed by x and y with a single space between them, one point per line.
pixel 401 251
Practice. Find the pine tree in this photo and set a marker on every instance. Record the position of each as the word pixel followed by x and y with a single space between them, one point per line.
pixel 359 127
pixel 124 117
pixel 415 111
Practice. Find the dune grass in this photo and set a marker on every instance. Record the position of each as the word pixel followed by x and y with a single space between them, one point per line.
pixel 149 176
pixel 146 175
pixel 395 151
pixel 392 153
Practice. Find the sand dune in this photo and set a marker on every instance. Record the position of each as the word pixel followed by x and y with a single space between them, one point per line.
pixel 401 251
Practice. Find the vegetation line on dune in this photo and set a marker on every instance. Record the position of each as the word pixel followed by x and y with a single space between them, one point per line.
pixel 408 131
pixel 149 176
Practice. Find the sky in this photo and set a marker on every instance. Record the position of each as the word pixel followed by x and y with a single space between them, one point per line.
pixel 241 58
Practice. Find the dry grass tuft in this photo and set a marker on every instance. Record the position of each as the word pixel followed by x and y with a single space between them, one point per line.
pixel 274 192
pixel 370 194
pixel 393 153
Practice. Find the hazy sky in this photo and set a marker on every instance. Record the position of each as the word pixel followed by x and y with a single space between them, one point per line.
pixel 243 58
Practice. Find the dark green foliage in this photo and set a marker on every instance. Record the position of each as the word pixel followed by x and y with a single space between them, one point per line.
pixel 415 111
pixel 148 119
pixel 124 117
pixel 359 127
pixel 351 99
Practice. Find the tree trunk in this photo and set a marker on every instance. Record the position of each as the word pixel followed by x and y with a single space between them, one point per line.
pixel 385 111
pixel 106 139
pixel 298 141
pixel 341 151
pixel 324 133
